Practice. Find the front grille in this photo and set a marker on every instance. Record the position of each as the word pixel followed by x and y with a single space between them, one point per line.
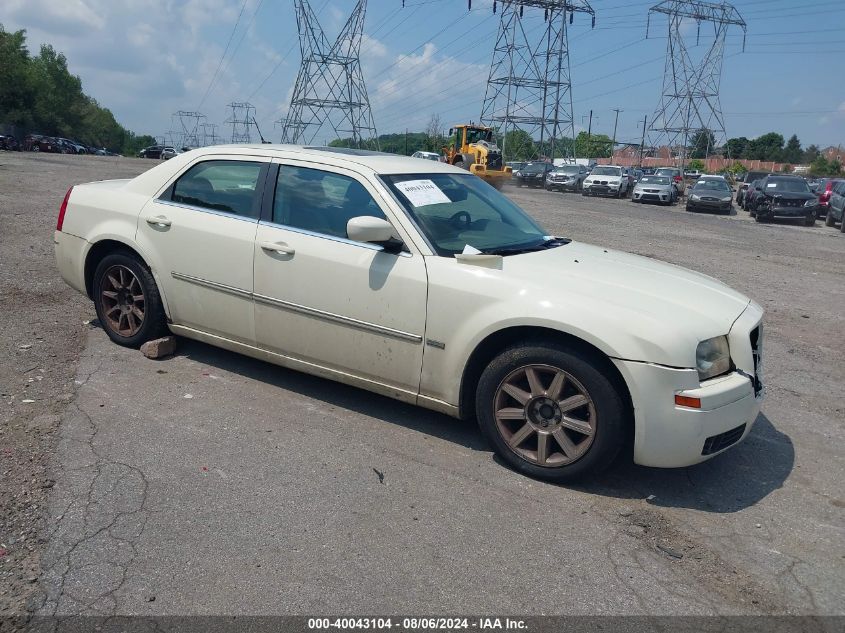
pixel 709 199
pixel 716 443
pixel 757 356
pixel 652 190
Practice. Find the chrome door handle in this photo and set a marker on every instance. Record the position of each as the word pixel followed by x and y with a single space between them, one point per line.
pixel 159 220
pixel 277 247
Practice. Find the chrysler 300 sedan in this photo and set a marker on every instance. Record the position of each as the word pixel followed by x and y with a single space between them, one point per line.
pixel 423 283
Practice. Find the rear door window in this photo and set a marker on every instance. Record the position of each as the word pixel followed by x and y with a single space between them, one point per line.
pixel 228 186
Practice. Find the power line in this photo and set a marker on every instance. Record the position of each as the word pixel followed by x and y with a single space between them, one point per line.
pixel 226 50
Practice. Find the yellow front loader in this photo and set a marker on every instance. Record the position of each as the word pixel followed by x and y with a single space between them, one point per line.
pixel 473 148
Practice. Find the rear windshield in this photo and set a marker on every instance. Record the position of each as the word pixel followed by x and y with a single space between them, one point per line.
pixel 607 171
pixel 790 185
pixel 667 172
pixel 712 185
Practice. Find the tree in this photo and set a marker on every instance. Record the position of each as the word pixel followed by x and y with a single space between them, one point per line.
pixel 702 143
pixel 823 167
pixel 766 147
pixel 737 147
pixel 792 152
pixel 811 153
pixel 593 146
pixel 696 164
pixel 518 145
pixel 434 132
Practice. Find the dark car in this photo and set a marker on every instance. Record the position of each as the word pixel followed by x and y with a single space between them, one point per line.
pixel 566 178
pixel 710 195
pixel 747 179
pixel 649 171
pixel 750 193
pixel 836 205
pixel 784 197
pixel 39 143
pixel 9 142
pixel 532 174
pixel 823 189
pixel 153 151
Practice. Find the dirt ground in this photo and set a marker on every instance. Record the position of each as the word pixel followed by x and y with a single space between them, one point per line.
pixel 217 529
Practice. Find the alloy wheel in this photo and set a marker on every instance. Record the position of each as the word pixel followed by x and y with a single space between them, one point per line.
pixel 122 300
pixel 545 415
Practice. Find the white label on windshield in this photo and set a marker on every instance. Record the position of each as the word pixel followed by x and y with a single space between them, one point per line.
pixel 771 185
pixel 470 250
pixel 422 193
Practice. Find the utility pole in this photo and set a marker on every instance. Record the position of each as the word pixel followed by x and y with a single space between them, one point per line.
pixel 406 141
pixel 642 142
pixel 590 134
pixel 615 123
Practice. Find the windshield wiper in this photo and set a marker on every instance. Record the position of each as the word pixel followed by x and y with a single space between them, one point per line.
pixel 516 250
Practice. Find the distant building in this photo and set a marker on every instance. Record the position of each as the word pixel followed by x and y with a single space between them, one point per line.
pixel 834 153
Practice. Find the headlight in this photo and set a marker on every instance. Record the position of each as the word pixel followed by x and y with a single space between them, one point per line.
pixel 810 203
pixel 727 199
pixel 713 357
pixel 694 197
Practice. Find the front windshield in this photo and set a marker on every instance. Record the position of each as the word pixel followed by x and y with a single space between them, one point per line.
pixel 474 135
pixel 455 211
pixel 533 168
pixel 789 185
pixel 712 185
pixel 567 170
pixel 607 171
pixel 655 180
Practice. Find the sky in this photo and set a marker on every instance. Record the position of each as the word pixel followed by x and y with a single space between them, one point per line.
pixel 146 59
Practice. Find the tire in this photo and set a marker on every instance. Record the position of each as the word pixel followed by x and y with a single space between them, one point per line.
pixel 35 148
pixel 115 274
pixel 810 220
pixel 585 193
pixel 603 416
pixel 759 218
pixel 828 219
pixel 842 223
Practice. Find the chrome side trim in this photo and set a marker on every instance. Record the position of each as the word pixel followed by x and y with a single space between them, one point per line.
pixel 222 214
pixel 295 307
pixel 238 292
pixel 337 318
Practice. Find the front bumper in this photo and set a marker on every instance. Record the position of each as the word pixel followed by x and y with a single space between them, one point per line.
pixel 562 185
pixel 646 196
pixel 708 205
pixel 529 181
pixel 602 190
pixel 778 211
pixel 671 436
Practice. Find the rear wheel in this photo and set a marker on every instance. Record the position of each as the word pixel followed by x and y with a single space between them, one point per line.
pixel 842 223
pixel 127 300
pixel 828 219
pixel 551 411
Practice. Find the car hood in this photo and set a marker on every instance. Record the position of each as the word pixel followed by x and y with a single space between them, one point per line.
pixel 791 195
pixel 605 177
pixel 648 185
pixel 660 307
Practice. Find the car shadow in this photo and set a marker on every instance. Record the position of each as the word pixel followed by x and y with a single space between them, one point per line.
pixel 729 482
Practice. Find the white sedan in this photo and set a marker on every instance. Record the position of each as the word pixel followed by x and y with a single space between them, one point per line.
pixel 425 284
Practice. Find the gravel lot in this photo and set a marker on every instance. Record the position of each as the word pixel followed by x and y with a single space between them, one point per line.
pixel 271 492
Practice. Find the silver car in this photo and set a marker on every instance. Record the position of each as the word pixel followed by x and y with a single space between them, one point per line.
pixel 659 189
pixel 566 178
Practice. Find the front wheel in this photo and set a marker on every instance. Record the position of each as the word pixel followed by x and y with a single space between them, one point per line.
pixel 551 411
pixel 810 220
pixel 828 219
pixel 127 300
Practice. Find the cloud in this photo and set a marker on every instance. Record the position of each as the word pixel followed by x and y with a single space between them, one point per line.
pixel 66 17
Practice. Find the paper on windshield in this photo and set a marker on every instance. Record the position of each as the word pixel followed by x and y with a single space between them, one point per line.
pixel 470 250
pixel 422 193
pixel 771 185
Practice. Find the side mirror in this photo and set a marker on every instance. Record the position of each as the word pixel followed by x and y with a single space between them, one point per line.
pixel 366 228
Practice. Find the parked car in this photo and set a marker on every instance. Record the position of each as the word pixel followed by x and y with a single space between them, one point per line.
pixel 692 174
pixel 836 205
pixel 516 165
pixel 168 152
pixel 532 174
pixel 824 187
pixel 426 155
pixel 632 177
pixel 649 171
pixel 710 194
pixel 659 189
pixel 752 192
pixel 638 173
pixel 606 180
pixel 401 289
pixel 677 178
pixel 746 180
pixel 153 151
pixel 73 147
pixel 784 197
pixel 39 143
pixel 566 178
pixel 9 143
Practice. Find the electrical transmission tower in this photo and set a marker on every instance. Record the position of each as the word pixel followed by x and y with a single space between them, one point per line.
pixel 187 128
pixel 689 102
pixel 529 86
pixel 209 134
pixel 329 89
pixel 242 119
